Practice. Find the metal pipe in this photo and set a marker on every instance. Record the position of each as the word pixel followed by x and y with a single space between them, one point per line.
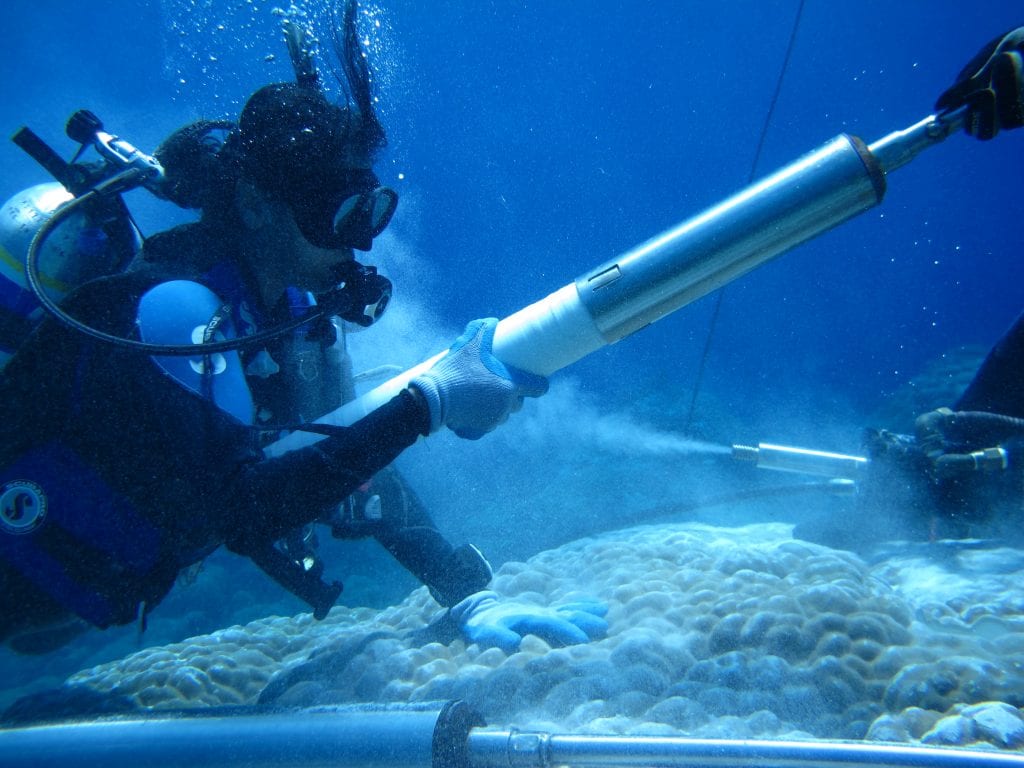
pixel 792 205
pixel 802 200
pixel 432 736
pixel 512 749
pixel 802 460
pixel 428 736
pixel 900 147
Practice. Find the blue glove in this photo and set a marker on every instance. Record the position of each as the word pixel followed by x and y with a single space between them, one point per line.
pixel 488 621
pixel 471 391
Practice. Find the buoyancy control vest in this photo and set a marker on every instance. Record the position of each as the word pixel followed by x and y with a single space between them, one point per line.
pixel 65 525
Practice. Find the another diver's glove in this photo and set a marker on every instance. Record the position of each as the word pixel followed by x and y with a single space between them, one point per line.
pixel 990 87
pixel 489 621
pixel 471 391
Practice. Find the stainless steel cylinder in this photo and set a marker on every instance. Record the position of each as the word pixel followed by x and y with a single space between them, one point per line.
pixel 803 199
pixel 428 736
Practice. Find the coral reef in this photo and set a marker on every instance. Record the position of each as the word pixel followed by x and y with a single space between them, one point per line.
pixel 230 666
pixel 990 723
pixel 714 632
pixel 963 681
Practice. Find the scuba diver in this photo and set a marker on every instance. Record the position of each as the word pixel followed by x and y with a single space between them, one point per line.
pixel 961 474
pixel 136 410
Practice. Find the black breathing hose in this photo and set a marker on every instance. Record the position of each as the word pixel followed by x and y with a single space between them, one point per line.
pixel 1010 426
pixel 935 428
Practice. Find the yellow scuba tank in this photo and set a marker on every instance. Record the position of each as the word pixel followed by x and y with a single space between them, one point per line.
pixel 95 238
pixel 83 247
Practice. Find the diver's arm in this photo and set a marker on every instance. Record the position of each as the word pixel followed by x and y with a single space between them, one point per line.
pixel 263 497
pixel 274 495
pixel 998 386
pixel 403 526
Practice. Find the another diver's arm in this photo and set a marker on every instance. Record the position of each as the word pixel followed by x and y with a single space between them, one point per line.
pixel 997 385
pixel 990 87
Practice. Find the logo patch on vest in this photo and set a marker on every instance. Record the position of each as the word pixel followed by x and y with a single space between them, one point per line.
pixel 218 364
pixel 22 507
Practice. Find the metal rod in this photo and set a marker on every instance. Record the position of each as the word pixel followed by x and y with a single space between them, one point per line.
pixel 802 460
pixel 431 736
pixel 900 147
pixel 512 749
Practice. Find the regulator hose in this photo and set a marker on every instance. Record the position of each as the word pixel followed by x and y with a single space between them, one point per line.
pixel 975 427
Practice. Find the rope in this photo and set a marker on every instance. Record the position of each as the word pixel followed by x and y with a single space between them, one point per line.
pixel 720 294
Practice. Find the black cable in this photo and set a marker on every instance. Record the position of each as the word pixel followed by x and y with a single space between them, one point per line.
pixel 720 294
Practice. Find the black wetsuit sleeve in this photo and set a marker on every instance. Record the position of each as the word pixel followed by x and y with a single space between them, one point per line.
pixel 998 386
pixel 277 494
pixel 187 466
pixel 405 529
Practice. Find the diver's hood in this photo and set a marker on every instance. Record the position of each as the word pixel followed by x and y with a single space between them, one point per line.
pixel 299 147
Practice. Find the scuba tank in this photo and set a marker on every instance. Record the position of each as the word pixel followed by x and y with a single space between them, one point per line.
pixel 96 239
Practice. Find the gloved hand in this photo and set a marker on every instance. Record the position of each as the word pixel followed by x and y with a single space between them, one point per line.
pixel 990 87
pixel 469 390
pixel 489 621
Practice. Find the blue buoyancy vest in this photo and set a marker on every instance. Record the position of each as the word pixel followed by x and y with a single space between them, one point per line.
pixel 53 503
pixel 50 502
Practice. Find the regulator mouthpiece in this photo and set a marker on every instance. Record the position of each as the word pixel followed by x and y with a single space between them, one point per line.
pixel 361 297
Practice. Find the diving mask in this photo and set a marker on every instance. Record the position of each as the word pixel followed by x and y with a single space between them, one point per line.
pixel 346 211
pixel 360 218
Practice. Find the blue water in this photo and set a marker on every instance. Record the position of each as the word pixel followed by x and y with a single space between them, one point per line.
pixel 530 141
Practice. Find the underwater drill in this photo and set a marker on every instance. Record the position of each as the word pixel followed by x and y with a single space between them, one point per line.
pixel 943 438
pixel 806 198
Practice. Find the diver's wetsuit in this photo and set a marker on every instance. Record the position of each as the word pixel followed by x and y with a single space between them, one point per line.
pixel 191 476
pixel 998 386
